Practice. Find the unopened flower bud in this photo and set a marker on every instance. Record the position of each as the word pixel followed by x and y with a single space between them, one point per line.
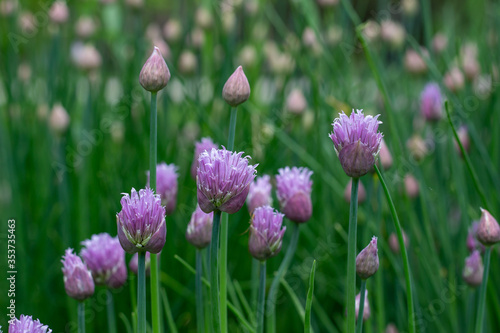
pixel 394 242
pixel 361 192
pixel 187 63
pixel 237 89
pixel 59 119
pixel 134 263
pixel 385 156
pixel 439 42
pixel 463 136
pixel 417 147
pixel 473 269
pixel 367 260
pixel 488 231
pixel 59 12
pixel 431 102
pixel 454 79
pixel 260 193
pixel 366 309
pixel 296 102
pixel 472 242
pixel 391 328
pixel 155 74
pixel 199 230
pixel 412 188
pixel 172 30
pixel 166 185
pixel 414 63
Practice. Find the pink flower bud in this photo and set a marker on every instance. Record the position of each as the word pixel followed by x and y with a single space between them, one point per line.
pixel 488 231
pixel 361 192
pixel 237 89
pixel 296 102
pixel 473 269
pixel 412 188
pixel 367 260
pixel 155 74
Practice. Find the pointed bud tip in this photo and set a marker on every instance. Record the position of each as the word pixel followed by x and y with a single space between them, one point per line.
pixel 155 74
pixel 237 89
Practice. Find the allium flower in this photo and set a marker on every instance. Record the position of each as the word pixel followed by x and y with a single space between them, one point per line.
pixel 294 193
pixel 223 180
pixel 205 144
pixel 472 242
pixel 78 280
pixel 236 90
pixel 199 230
pixel 141 222
pixel 105 258
pixel 356 142
pixel 26 324
pixel 155 74
pixel 366 309
pixel 166 185
pixel 134 262
pixel 266 235
pixel 473 269
pixel 260 193
pixel 367 260
pixel 431 102
pixel 488 231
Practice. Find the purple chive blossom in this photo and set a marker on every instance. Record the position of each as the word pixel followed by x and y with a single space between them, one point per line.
pixel 223 180
pixel 266 234
pixel 78 280
pixel 199 229
pixel 472 242
pixel 294 193
pixel 26 324
pixel 205 144
pixel 141 222
pixel 134 262
pixel 431 102
pixel 356 141
pixel 166 185
pixel 367 260
pixel 105 258
pixel 260 193
pixel 473 270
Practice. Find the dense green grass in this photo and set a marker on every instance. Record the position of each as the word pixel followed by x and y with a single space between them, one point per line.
pixel 62 189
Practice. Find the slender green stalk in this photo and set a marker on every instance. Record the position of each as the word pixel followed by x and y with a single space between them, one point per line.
pixel 351 258
pixel 309 300
pixel 262 298
pixel 224 235
pixel 200 322
pixel 404 254
pixel 155 300
pixel 214 270
pixel 271 298
pixel 81 317
pixel 133 300
pixel 254 281
pixel 110 306
pixel 482 294
pixel 359 327
pixel 141 293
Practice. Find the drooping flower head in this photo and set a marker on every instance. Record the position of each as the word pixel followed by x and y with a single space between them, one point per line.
pixel 155 74
pixel 260 193
pixel 199 230
pixel 356 141
pixel 141 222
pixel 105 258
pixel 78 280
pixel 166 185
pixel 205 144
pixel 266 234
pixel 488 231
pixel 473 269
pixel 223 180
pixel 134 263
pixel 367 260
pixel 26 324
pixel 294 193
pixel 431 102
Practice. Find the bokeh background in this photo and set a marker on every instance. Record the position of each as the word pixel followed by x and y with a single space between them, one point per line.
pixel 62 181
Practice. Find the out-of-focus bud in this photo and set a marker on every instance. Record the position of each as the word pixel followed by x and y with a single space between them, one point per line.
pixel 85 57
pixel 385 156
pixel 472 241
pixel 412 188
pixel 473 269
pixel 247 56
pixel 371 30
pixel 483 86
pixel 59 119
pixel 27 23
pixel 134 263
pixel 135 4
pixel 155 74
pixel 296 102
pixel 463 136
pixel 203 18
pixel 439 42
pixel 24 72
pixel 410 7
pixel 188 63
pixel 7 7
pixel 394 243
pixel 237 89
pixel 85 27
pixel 327 3
pixel 260 193
pixel 59 12
pixel 417 147
pixel 366 309
pixel 431 102
pixel 391 328
pixel 294 186
pixel 333 35
pixel 228 21
pixel 199 230
pixel 367 260
pixel 414 63
pixel 392 33
pixel 361 192
pixel 454 79
pixel 172 30
pixel 488 231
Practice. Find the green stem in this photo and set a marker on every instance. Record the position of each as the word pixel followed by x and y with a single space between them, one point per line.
pixel 141 293
pixel 361 306
pixel 271 298
pixel 111 313
pixel 214 290
pixel 351 258
pixel 404 254
pixel 199 293
pixel 223 236
pixel 482 295
pixel 254 281
pixel 81 317
pixel 155 300
pixel 262 298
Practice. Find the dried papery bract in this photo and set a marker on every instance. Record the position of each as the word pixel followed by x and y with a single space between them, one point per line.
pixel 237 89
pixel 155 74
